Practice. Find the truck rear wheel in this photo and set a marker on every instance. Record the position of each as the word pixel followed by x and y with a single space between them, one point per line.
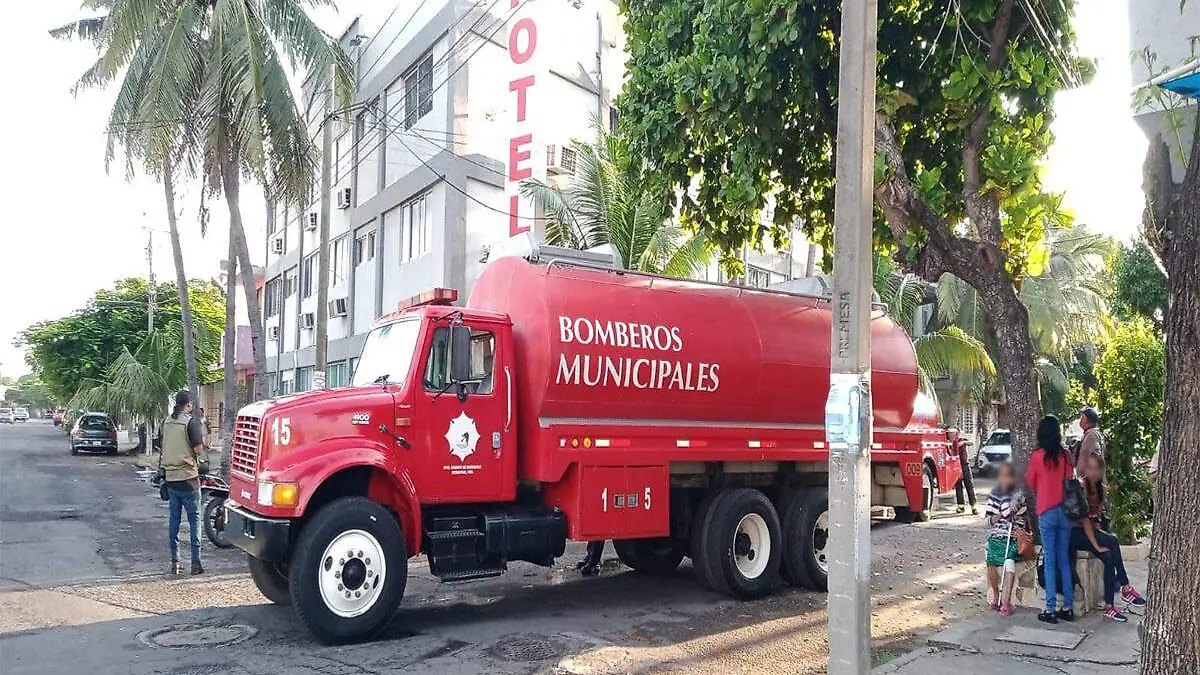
pixel 806 539
pixel 742 547
pixel 700 526
pixel 654 557
pixel 349 570
pixel 271 579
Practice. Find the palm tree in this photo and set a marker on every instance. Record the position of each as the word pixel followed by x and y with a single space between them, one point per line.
pixel 604 205
pixel 942 351
pixel 211 76
pixel 154 147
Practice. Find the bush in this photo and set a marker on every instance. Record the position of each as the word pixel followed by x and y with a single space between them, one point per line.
pixel 1129 390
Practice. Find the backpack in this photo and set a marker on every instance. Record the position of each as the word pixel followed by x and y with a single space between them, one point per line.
pixel 1075 504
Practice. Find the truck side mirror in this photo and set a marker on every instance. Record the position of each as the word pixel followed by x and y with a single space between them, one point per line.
pixel 460 353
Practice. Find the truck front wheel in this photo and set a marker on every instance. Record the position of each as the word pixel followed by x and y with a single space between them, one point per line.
pixel 654 557
pixel 741 548
pixel 349 570
pixel 271 580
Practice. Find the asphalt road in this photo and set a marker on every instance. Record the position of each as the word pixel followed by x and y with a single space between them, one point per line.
pixel 83 589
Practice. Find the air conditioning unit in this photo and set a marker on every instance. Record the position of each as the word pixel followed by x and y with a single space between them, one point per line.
pixel 561 160
pixel 272 332
pixel 277 246
pixel 338 307
pixel 313 220
pixel 344 196
pixel 308 321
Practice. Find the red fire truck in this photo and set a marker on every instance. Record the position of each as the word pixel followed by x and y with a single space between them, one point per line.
pixel 678 418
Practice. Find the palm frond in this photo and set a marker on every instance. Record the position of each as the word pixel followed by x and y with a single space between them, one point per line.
pixel 950 351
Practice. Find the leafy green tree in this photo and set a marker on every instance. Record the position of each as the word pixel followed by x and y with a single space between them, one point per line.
pixel 30 392
pixel 732 102
pixel 1130 374
pixel 79 347
pixel 605 204
pixel 212 77
pixel 1139 285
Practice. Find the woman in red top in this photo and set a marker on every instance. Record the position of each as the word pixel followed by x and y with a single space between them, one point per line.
pixel 1049 467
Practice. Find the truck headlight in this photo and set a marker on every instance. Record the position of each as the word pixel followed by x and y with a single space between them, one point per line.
pixel 277 494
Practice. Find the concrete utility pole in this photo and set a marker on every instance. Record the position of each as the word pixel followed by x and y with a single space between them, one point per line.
pixel 848 409
pixel 151 292
pixel 322 338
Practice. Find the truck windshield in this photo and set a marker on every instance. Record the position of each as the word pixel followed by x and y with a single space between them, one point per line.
pixel 388 353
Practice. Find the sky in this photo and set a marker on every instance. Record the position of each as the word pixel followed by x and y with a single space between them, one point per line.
pixel 71 228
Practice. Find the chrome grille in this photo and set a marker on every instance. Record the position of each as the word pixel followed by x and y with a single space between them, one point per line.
pixel 244 460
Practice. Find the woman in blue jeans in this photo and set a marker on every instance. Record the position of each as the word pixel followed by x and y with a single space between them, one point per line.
pixel 1049 467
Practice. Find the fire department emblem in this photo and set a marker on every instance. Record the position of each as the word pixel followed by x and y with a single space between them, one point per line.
pixel 462 437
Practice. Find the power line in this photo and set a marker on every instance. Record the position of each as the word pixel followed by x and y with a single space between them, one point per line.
pixel 395 37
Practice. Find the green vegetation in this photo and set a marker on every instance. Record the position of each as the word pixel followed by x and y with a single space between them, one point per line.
pixel 1140 287
pixel 1130 374
pixel 67 352
pixel 733 102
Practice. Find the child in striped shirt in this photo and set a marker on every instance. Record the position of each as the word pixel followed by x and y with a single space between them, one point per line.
pixel 1005 512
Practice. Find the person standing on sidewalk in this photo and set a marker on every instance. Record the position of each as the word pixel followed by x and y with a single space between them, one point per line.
pixel 182 449
pixel 1049 467
pixel 967 481
pixel 1092 442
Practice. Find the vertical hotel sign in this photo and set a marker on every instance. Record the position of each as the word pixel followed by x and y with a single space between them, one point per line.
pixel 526 151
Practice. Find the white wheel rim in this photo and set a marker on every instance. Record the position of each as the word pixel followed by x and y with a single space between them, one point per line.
pixel 821 541
pixel 751 546
pixel 351 573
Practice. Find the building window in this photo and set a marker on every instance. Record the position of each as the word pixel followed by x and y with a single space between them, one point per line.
pixel 289 283
pixel 364 248
pixel 273 384
pixel 307 269
pixel 304 378
pixel 337 375
pixel 286 387
pixel 418 92
pixel 271 297
pixel 353 367
pixel 415 229
pixel 341 259
pixel 341 154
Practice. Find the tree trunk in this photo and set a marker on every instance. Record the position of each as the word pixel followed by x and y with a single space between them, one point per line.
pixel 229 344
pixel 230 178
pixel 1008 321
pixel 1171 631
pixel 185 307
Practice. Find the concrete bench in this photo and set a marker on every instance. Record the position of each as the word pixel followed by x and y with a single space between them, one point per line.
pixel 1091 577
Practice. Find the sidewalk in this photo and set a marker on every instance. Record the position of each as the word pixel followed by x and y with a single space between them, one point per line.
pixel 995 645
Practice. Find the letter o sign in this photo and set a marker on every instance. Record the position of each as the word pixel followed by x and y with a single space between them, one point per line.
pixel 527 26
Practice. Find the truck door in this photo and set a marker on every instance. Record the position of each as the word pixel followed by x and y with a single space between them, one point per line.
pixel 469 453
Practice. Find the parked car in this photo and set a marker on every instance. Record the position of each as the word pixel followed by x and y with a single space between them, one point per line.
pixel 996 450
pixel 93 432
pixel 57 418
pixel 20 414
pixel 6 416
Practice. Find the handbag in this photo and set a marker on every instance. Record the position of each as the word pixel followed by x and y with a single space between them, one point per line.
pixel 1075 504
pixel 1024 543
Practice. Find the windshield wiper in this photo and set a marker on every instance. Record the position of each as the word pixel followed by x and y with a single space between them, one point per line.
pixel 444 390
pixel 382 379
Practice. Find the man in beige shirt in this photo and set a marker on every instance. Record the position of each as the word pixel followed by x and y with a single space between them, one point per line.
pixel 1092 442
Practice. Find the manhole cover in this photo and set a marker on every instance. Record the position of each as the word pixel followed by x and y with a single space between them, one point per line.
pixel 191 636
pixel 526 648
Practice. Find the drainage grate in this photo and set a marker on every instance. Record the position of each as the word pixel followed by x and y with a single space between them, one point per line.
pixel 190 636
pixel 526 648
